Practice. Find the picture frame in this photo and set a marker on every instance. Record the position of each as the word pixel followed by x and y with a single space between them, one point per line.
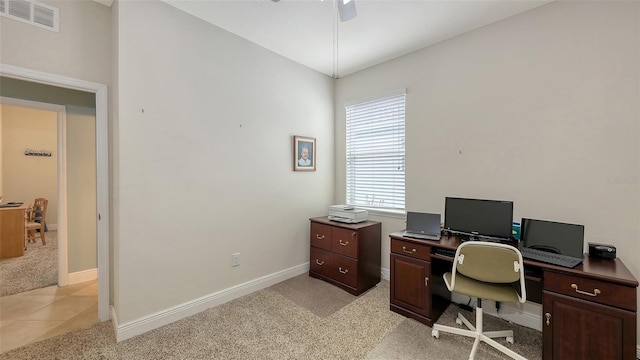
pixel 304 153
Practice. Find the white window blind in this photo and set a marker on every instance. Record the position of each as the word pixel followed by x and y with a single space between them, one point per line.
pixel 376 153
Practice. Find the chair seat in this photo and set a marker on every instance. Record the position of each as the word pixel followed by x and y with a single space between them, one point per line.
pixel 474 288
pixel 35 225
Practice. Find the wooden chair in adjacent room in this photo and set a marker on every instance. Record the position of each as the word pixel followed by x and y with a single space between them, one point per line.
pixel 36 220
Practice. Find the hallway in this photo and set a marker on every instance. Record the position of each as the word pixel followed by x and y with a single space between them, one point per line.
pixel 43 313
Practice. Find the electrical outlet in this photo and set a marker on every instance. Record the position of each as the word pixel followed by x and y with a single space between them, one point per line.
pixel 235 259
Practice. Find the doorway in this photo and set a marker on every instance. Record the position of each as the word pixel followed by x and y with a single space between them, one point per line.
pixel 102 173
pixel 32 128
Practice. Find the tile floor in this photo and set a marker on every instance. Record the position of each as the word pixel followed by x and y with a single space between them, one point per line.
pixel 42 313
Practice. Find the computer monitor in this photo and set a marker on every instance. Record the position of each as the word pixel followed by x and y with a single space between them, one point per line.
pixel 479 218
pixel 555 237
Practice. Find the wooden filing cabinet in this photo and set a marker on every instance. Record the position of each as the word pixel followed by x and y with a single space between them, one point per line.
pixel 346 255
pixel 587 318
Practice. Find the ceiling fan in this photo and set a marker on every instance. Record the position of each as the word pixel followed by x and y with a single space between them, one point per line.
pixel 346 9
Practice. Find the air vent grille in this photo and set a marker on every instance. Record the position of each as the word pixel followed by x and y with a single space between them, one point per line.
pixel 20 9
pixel 31 12
pixel 43 16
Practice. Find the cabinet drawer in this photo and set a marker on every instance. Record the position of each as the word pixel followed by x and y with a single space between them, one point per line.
pixel 593 290
pixel 345 242
pixel 406 248
pixel 345 270
pixel 321 236
pixel 320 261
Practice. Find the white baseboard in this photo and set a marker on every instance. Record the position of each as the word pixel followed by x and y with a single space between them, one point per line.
pixel 638 352
pixel 161 318
pixel 82 276
pixel 528 314
pixel 385 274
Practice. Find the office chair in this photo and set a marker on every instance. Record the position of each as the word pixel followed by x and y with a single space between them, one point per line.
pixel 489 271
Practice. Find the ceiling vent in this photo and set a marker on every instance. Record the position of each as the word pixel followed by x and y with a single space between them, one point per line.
pixel 31 12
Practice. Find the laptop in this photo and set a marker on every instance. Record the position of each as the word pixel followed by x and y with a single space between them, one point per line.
pixel 552 242
pixel 422 226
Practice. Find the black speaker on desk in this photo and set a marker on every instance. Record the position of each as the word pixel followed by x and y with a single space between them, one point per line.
pixel 605 251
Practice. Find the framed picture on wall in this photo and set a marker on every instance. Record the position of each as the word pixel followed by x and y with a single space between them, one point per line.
pixel 304 153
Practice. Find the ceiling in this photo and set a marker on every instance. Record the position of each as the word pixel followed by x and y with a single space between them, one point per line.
pixel 304 30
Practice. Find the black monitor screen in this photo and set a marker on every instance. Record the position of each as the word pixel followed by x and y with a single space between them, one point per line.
pixel 559 238
pixel 488 218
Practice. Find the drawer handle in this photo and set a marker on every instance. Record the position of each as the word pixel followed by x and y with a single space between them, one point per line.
pixel 353 234
pixel 319 237
pixel 343 271
pixel 344 243
pixel 413 251
pixel 426 281
pixel 595 292
pixel 548 317
pixel 319 262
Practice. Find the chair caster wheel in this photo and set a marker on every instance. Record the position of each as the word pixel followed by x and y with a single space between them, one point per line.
pixel 510 339
pixel 458 321
pixel 435 333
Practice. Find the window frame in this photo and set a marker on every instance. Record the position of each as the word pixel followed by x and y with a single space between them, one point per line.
pixel 391 211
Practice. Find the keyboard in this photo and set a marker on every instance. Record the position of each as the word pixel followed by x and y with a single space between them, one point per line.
pixel 446 252
pixel 551 258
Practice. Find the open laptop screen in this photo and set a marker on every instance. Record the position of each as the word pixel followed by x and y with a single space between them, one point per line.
pixel 423 223
pixel 555 237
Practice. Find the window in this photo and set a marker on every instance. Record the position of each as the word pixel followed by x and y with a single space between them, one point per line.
pixel 375 152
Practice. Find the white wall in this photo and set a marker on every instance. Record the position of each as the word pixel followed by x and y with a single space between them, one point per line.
pixel 26 178
pixel 81 188
pixel 79 50
pixel 541 108
pixel 204 159
pixel 1 152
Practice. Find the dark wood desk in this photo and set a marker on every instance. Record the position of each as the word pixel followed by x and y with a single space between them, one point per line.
pixel 589 311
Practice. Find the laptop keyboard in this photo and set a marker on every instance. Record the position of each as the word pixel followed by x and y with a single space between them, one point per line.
pixel 551 258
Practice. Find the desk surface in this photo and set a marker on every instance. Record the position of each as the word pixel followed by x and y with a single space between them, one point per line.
pixel 21 207
pixel 610 270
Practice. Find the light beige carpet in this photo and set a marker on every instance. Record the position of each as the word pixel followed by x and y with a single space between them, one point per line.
pixel 280 322
pixel 37 268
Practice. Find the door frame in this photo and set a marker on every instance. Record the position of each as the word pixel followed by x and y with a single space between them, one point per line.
pixel 102 168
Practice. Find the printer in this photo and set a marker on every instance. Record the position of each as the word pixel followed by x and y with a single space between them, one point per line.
pixel 347 214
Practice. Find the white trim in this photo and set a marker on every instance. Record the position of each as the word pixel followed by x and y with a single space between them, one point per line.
pixel 82 276
pixel 528 314
pixel 102 165
pixel 376 97
pixel 114 319
pixel 161 318
pixel 638 352
pixel 385 274
pixel 63 245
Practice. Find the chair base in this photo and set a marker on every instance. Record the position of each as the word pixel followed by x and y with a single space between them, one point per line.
pixel 31 236
pixel 476 332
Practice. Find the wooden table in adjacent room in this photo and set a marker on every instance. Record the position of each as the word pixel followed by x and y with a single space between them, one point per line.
pixel 12 231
